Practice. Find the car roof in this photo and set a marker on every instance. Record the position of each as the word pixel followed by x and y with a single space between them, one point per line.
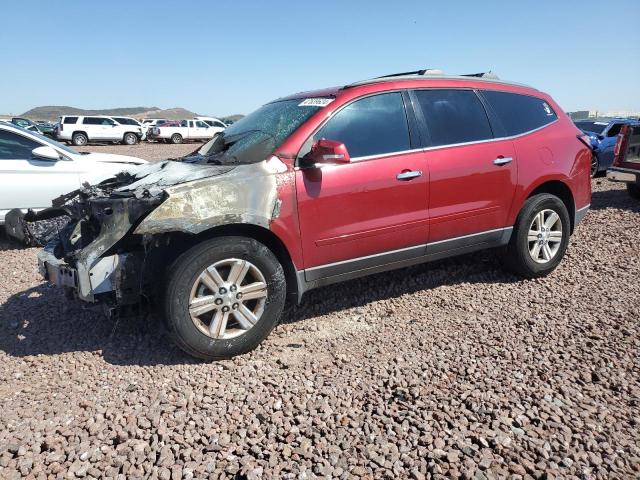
pixel 410 80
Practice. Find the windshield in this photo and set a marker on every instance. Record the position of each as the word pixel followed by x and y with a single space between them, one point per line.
pixel 255 136
pixel 594 127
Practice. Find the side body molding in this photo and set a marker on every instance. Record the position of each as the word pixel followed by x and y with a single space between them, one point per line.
pixel 315 277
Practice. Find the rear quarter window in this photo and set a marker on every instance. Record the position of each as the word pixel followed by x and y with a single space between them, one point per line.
pixel 70 120
pixel 519 113
pixel 453 116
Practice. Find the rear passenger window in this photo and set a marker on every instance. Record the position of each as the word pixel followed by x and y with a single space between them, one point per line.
pixel 454 116
pixel 92 121
pixel 70 120
pixel 371 126
pixel 519 113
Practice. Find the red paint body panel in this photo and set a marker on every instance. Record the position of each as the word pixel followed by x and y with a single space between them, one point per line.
pixel 468 193
pixel 359 209
pixel 353 210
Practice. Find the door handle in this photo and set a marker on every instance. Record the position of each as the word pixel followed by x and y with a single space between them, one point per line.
pixel 409 175
pixel 502 160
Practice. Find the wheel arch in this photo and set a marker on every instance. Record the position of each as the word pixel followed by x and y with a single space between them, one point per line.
pixel 263 235
pixel 561 190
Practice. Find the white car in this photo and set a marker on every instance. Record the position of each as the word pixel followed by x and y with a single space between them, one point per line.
pixel 134 123
pixel 187 130
pixel 81 130
pixel 35 169
pixel 213 122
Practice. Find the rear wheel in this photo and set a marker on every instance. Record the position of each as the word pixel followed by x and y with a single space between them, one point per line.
pixel 223 297
pixel 633 190
pixel 176 138
pixel 130 139
pixel 79 139
pixel 540 237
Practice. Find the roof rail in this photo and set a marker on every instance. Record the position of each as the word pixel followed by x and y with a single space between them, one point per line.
pixel 489 75
pixel 426 71
pixel 433 74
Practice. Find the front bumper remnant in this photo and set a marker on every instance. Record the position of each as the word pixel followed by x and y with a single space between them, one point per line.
pixel 108 276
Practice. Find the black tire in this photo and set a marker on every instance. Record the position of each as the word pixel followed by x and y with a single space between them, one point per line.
pixel 176 138
pixel 633 190
pixel 130 138
pixel 79 139
pixel 517 257
pixel 595 165
pixel 183 274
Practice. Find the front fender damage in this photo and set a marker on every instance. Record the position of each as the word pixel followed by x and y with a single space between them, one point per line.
pixel 120 231
pixel 248 194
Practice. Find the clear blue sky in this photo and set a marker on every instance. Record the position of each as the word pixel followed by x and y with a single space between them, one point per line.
pixel 230 57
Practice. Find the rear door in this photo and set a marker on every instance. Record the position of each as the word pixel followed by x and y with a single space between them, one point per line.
pixel 93 127
pixel 472 175
pixel 370 211
pixel 29 182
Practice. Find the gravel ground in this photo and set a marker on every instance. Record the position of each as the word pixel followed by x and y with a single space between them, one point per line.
pixel 453 369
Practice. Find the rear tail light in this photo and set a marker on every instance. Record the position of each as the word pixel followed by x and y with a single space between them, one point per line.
pixel 622 143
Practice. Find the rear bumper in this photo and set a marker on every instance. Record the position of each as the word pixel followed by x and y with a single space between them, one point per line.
pixel 626 175
pixel 580 214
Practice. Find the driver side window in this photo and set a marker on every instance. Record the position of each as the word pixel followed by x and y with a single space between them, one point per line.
pixel 16 147
pixel 371 126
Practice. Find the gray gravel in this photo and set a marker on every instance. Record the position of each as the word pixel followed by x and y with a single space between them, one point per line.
pixel 152 151
pixel 453 369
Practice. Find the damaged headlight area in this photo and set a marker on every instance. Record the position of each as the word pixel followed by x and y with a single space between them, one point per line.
pixel 95 255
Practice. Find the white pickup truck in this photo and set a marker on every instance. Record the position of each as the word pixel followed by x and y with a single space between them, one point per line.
pixel 185 130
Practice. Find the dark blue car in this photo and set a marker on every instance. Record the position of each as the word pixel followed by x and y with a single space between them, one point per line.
pixel 603 137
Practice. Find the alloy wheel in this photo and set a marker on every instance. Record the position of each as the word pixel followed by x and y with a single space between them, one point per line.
pixel 228 298
pixel 545 236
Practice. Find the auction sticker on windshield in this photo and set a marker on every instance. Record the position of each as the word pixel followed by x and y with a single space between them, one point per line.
pixel 315 102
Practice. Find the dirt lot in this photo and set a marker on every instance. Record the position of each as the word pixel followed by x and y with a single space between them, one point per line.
pixel 449 369
pixel 149 151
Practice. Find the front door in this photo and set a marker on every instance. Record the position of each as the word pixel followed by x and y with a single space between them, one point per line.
pixel 373 210
pixel 472 175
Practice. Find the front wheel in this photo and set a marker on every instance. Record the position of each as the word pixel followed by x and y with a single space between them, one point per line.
pixel 130 139
pixel 540 237
pixel 223 297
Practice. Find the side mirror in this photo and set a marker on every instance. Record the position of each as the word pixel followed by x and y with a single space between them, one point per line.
pixel 328 152
pixel 600 137
pixel 46 153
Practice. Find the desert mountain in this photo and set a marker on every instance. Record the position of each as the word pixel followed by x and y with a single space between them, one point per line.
pixel 53 112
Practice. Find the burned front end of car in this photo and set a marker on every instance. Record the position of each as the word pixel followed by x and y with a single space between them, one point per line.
pixel 126 231
pixel 99 255
pixel 96 256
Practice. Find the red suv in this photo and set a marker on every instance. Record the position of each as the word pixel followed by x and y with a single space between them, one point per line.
pixel 321 187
